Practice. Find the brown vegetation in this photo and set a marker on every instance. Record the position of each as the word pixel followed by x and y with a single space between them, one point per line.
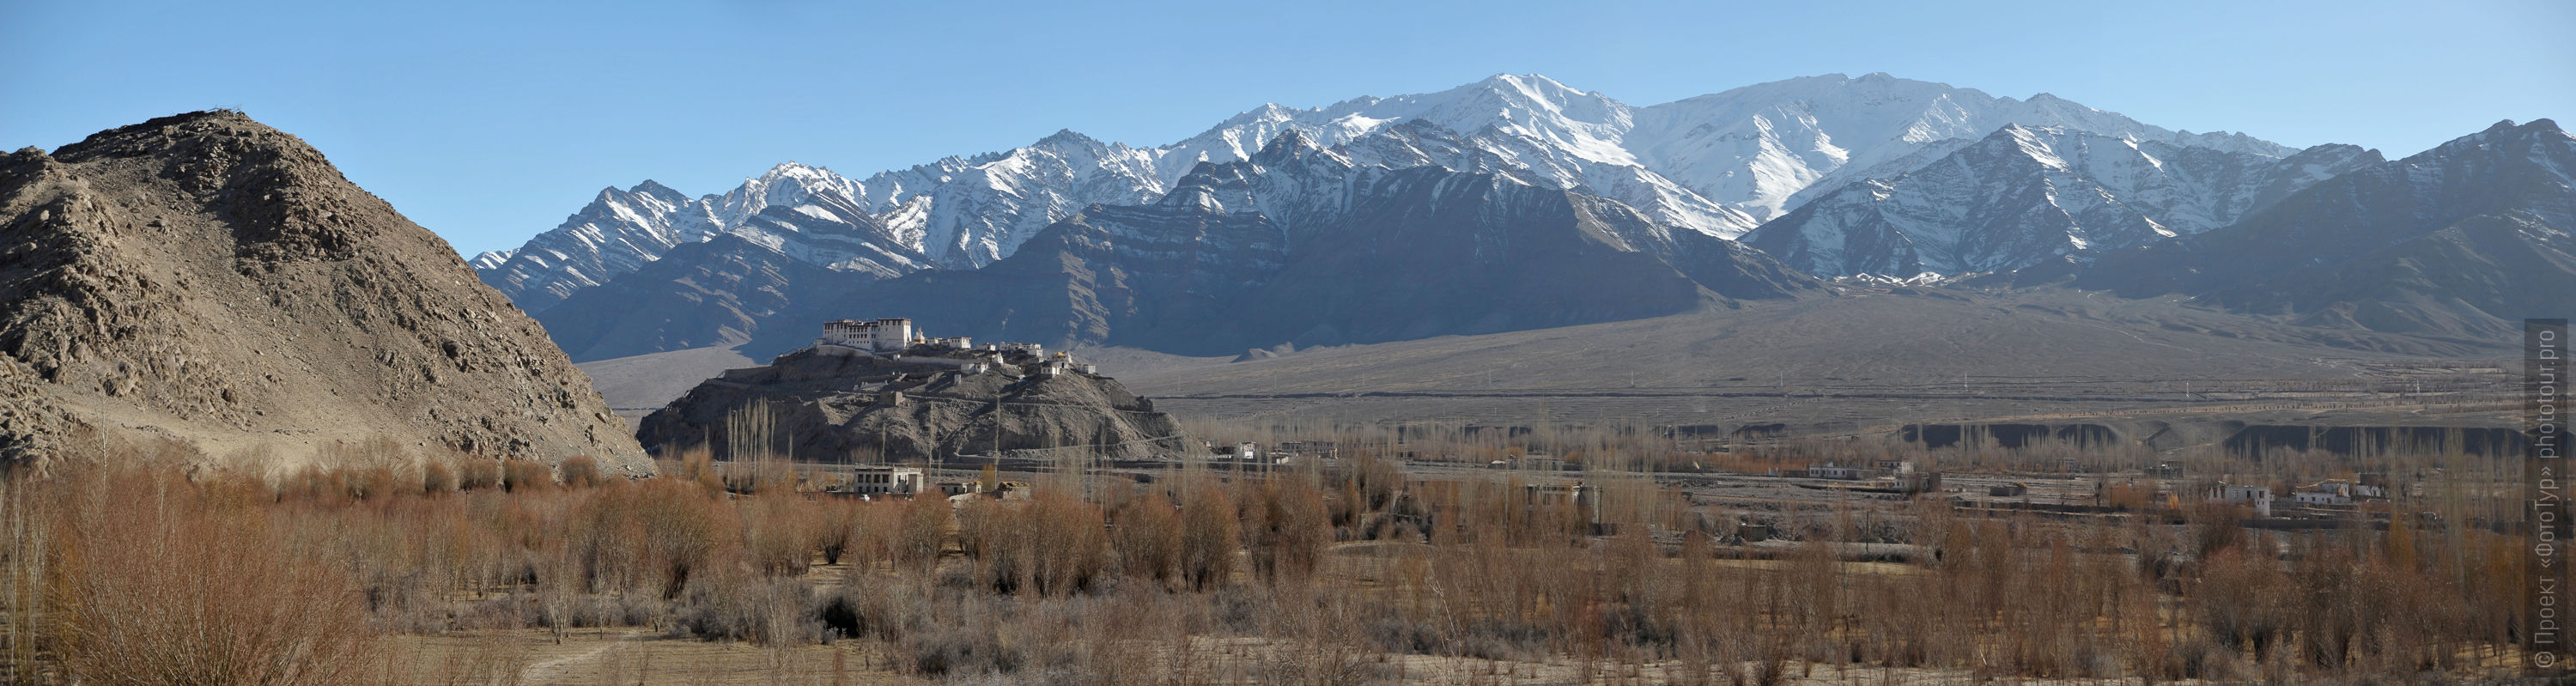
pixel 123 572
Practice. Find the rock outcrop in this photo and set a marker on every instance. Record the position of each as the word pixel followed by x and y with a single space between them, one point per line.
pixel 205 279
pixel 831 403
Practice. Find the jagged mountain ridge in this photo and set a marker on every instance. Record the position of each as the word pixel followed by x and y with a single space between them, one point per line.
pixel 1718 164
pixel 210 281
pixel 1302 244
pixel 2460 241
pixel 1267 240
pixel 2024 196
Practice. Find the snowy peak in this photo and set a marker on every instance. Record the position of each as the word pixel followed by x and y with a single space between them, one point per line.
pixel 2540 136
pixel 1758 147
pixel 1716 164
pixel 788 184
pixel 1069 138
pixel 491 259
pixel 618 231
pixel 2459 240
pixel 1289 145
pixel 1527 105
pixel 2027 195
pixel 656 190
pixel 2036 145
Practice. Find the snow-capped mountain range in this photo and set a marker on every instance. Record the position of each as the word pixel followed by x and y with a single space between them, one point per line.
pixel 1718 164
pixel 1305 245
pixel 1299 244
pixel 2025 195
pixel 2463 240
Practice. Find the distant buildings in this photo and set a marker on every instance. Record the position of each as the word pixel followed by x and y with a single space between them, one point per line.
pixel 1911 480
pixel 2258 496
pixel 883 335
pixel 893 336
pixel 1535 463
pixel 2337 492
pixel 1322 449
pixel 1250 453
pixel 1063 363
pixel 885 480
pixel 1583 498
pixel 1832 471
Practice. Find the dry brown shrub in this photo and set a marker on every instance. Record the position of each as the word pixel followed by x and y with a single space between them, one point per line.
pixel 997 535
pixel 581 471
pixel 165 591
pixel 683 528
pixel 376 481
pixel 1209 538
pixel 1291 532
pixel 436 477
pixel 479 473
pixel 2243 602
pixel 835 528
pixel 698 465
pixel 1147 536
pixel 778 533
pixel 921 532
pixel 1069 545
pixel 525 475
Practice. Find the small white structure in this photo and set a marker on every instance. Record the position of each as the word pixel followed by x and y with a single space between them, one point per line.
pixel 874 336
pixel 1063 363
pixel 2258 496
pixel 950 343
pixel 967 365
pixel 1329 450
pixel 2336 492
pixel 1832 471
pixel 885 480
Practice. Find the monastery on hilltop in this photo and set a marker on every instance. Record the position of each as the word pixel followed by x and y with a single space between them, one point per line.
pixel 894 337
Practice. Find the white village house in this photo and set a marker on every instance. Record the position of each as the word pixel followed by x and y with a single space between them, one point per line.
pixel 2258 496
pixel 885 480
pixel 2336 492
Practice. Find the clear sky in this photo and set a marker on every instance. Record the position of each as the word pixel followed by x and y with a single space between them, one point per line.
pixel 490 122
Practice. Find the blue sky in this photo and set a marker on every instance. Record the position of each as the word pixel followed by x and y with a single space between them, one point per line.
pixel 491 122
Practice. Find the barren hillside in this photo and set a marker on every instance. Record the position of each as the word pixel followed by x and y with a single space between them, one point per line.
pixel 206 279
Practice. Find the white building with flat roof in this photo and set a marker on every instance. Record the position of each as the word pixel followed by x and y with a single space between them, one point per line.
pixel 2258 496
pixel 874 336
pixel 884 480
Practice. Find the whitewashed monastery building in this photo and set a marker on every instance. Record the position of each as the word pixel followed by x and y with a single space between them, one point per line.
pixel 896 335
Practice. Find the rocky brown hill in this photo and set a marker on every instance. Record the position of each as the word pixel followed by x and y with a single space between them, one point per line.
pixel 828 403
pixel 207 279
